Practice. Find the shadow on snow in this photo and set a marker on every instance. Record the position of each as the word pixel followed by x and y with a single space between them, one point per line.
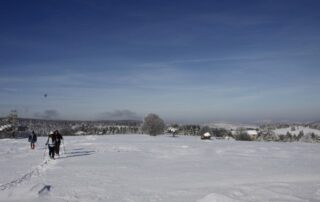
pixel 77 154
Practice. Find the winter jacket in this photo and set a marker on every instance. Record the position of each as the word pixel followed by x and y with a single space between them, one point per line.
pixel 32 138
pixel 51 140
pixel 58 138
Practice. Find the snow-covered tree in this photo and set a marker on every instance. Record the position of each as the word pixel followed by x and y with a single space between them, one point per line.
pixel 242 134
pixel 153 125
pixel 205 132
pixel 300 135
pixel 173 130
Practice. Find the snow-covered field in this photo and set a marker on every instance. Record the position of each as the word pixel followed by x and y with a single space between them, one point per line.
pixel 138 168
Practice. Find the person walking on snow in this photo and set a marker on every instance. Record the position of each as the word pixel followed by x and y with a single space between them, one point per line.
pixel 58 142
pixel 51 142
pixel 32 139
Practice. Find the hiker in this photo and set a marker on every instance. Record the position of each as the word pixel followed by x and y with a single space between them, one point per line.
pixel 51 142
pixel 32 139
pixel 58 142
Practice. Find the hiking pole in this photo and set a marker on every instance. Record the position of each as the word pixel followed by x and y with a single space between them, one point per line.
pixel 64 149
pixel 44 154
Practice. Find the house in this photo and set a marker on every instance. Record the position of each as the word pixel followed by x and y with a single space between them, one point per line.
pixel 206 136
pixel 252 133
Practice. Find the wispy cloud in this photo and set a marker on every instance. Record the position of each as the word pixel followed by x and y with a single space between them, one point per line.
pixel 243 56
pixel 233 19
pixel 10 89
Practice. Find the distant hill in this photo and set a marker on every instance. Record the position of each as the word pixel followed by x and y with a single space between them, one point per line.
pixel 230 126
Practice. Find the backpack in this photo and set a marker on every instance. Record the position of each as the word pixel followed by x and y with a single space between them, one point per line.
pixel 51 140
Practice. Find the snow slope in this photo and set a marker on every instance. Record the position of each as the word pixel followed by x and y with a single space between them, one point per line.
pixel 127 168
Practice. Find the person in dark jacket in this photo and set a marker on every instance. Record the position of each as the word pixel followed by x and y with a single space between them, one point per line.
pixel 51 142
pixel 32 139
pixel 58 141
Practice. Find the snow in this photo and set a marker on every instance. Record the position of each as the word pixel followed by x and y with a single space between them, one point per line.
pixel 216 198
pixel 230 126
pixel 80 133
pixel 252 132
pixel 4 127
pixel 172 129
pixel 142 168
pixel 306 130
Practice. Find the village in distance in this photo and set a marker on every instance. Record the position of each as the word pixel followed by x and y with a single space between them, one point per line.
pixel 14 127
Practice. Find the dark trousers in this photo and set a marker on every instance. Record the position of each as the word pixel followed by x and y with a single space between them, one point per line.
pixel 51 152
pixel 57 148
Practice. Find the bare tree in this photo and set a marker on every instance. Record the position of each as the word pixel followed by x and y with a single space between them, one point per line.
pixel 153 125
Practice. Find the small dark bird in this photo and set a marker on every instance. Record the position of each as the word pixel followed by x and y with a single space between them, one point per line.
pixel 45 95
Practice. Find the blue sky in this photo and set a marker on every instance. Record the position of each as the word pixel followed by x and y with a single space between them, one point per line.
pixel 188 61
